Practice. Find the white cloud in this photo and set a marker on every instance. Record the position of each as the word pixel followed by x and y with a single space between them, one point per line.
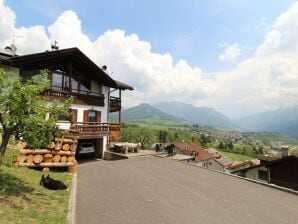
pixel 230 53
pixel 7 23
pixel 155 77
pixel 266 80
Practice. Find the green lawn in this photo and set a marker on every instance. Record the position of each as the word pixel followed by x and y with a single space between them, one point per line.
pixel 237 157
pixel 23 200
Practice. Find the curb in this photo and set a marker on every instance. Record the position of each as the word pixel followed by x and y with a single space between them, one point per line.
pixel 72 201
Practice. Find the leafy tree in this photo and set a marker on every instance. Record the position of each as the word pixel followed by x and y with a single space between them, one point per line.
pixel 163 136
pixel 230 144
pixel 176 136
pixel 261 150
pixel 221 145
pixel 23 111
pixel 203 140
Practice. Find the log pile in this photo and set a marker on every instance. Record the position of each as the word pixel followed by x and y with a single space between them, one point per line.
pixel 59 153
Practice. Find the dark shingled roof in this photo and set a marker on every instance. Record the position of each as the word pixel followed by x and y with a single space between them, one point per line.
pixel 79 61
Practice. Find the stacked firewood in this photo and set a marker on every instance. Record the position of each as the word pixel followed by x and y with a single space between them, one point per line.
pixel 59 153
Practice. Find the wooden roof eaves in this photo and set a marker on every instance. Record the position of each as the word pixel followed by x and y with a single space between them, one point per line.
pixel 56 56
pixel 123 86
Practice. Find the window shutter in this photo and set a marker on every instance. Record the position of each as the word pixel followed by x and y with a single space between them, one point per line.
pixel 86 115
pixel 73 115
pixel 98 116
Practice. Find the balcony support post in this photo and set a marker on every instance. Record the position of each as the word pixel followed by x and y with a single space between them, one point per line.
pixel 70 74
pixel 120 109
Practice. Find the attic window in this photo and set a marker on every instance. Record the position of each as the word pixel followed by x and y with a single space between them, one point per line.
pixel 85 86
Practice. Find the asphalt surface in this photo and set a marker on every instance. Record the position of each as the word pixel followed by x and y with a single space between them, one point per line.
pixel 160 191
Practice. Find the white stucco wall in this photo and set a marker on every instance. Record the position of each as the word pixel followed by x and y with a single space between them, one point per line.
pixel 210 164
pixel 80 108
pixel 253 173
pixel 215 165
pixel 96 87
pixel 13 70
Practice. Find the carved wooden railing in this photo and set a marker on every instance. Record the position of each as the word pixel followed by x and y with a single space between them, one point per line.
pixel 90 127
pixel 81 97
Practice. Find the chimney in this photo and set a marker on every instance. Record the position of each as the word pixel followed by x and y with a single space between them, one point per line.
pixel 12 49
pixel 285 151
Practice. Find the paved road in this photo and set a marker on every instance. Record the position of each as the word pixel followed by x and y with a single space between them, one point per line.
pixel 155 191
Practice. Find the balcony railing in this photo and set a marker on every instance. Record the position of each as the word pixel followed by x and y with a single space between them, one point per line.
pixel 90 127
pixel 80 97
pixel 93 129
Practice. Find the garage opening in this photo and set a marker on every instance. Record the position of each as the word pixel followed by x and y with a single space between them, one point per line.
pixel 89 149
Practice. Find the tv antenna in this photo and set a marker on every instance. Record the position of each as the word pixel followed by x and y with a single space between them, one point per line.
pixel 54 46
pixel 12 48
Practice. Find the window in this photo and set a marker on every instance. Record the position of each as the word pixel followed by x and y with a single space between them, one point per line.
pixel 74 85
pixel 63 117
pixel 92 116
pixel 60 81
pixel 85 86
pixel 57 81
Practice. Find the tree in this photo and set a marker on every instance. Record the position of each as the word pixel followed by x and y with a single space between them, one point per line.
pixel 230 144
pixel 23 111
pixel 203 140
pixel 163 136
pixel 221 145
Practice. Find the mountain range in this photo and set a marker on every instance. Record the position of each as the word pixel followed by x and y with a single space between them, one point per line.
pixel 284 121
pixel 177 113
pixel 148 114
pixel 203 116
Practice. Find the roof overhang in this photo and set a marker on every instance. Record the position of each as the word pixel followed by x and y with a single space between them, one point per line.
pixel 123 86
pixel 78 60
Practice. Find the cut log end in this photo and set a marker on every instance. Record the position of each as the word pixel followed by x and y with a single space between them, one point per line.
pixel 46 169
pixel 30 158
pixel 56 158
pixel 63 159
pixel 51 145
pixel 71 158
pixel 38 158
pixel 21 158
pixel 48 158
pixel 66 147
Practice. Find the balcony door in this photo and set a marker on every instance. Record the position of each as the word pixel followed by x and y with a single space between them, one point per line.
pixel 91 116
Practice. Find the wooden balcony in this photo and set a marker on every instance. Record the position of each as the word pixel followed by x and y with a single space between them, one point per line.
pixel 115 104
pixel 95 130
pixel 115 132
pixel 81 97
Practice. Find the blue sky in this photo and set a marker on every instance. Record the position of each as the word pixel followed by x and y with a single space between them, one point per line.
pixel 238 57
pixel 190 29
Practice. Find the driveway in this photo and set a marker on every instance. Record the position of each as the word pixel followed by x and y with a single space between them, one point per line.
pixel 156 190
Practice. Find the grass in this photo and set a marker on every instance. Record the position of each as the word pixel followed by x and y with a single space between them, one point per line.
pixel 237 157
pixel 23 200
